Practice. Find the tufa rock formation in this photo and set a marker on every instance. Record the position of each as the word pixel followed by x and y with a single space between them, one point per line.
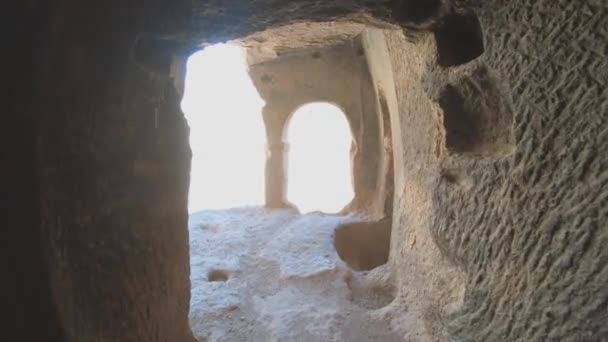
pixel 498 136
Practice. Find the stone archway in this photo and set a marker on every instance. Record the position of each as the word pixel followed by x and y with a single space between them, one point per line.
pixel 319 169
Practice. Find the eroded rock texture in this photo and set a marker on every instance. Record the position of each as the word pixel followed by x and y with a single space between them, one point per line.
pixel 498 235
pixel 531 229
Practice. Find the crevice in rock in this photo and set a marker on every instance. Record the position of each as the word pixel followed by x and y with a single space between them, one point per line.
pixel 388 153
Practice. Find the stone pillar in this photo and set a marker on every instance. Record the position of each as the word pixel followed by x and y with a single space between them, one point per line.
pixel 275 116
pixel 276 179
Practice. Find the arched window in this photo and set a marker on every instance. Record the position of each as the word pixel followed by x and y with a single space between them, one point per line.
pixel 319 164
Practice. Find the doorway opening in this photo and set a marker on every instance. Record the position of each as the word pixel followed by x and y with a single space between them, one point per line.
pixel 319 163
pixel 227 134
pixel 238 253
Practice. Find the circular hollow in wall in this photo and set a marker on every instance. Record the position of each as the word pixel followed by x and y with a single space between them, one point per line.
pixel 459 39
pixel 364 245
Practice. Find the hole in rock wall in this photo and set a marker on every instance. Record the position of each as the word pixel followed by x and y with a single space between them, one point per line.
pixel 416 11
pixel 319 164
pixel 227 134
pixel 459 39
pixel 364 245
pixel 478 116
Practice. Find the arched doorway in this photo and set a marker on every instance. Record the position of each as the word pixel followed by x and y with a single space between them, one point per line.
pixel 227 134
pixel 319 171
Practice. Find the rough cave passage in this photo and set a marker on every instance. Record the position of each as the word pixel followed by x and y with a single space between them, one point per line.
pixel 479 134
pixel 227 158
pixel 319 165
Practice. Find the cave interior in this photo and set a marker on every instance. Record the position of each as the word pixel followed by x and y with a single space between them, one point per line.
pixel 480 188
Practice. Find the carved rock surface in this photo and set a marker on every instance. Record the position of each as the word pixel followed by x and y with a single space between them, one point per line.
pixel 500 246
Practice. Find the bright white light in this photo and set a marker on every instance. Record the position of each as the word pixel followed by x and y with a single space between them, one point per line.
pixel 319 169
pixel 227 133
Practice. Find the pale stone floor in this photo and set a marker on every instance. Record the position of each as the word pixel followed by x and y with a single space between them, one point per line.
pixel 275 276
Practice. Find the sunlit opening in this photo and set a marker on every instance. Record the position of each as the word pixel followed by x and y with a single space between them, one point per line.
pixel 227 134
pixel 319 169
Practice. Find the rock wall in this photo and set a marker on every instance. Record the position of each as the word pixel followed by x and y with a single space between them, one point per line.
pixel 27 312
pixel 113 166
pixel 104 209
pixel 529 228
pixel 499 179
pixel 428 282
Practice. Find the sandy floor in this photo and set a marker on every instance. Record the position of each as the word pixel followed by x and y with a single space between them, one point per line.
pixel 275 276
